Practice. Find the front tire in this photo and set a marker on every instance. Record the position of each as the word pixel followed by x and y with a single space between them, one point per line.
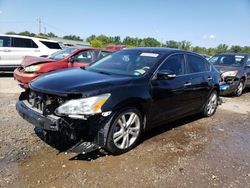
pixel 125 131
pixel 211 104
pixel 238 92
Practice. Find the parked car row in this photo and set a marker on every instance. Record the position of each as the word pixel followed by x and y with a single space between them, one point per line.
pixel 32 67
pixel 235 72
pixel 111 102
pixel 14 47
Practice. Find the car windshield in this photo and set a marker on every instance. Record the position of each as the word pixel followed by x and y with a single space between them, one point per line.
pixel 128 63
pixel 228 60
pixel 62 53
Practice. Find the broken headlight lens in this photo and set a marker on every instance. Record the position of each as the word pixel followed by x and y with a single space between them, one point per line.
pixel 84 106
pixel 229 73
pixel 32 68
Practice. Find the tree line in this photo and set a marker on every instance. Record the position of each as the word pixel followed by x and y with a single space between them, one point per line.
pixel 101 41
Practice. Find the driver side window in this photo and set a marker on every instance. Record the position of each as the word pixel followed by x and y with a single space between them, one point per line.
pixel 175 63
pixel 85 57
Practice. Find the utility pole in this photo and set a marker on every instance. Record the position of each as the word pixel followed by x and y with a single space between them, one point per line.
pixel 44 30
pixel 40 23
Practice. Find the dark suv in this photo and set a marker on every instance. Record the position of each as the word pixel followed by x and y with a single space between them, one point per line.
pixel 235 72
pixel 109 104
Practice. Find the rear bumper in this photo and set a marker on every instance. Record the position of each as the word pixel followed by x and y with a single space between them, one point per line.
pixel 37 119
pixel 24 78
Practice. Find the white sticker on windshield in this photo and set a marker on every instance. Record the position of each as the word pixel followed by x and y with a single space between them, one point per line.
pixel 149 54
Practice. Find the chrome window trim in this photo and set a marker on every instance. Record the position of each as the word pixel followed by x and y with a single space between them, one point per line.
pixel 185 62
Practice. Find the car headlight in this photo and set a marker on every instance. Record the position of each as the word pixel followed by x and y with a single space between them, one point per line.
pixel 32 68
pixel 229 73
pixel 84 106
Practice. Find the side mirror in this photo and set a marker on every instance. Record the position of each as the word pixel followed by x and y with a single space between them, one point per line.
pixel 71 60
pixel 165 75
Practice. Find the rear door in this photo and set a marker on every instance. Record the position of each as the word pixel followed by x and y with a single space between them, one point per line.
pixel 21 47
pixel 200 79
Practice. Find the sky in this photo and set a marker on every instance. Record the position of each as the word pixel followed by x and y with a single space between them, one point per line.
pixel 205 23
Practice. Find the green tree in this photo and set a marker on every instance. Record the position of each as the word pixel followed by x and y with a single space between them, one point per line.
pixel 151 42
pixel 222 48
pixel 96 43
pixel 130 41
pixel 90 38
pixel 10 33
pixel 200 50
pixel 51 35
pixel 104 39
pixel 235 48
pixel 27 33
pixel 72 37
pixel 246 49
pixel 171 44
pixel 185 45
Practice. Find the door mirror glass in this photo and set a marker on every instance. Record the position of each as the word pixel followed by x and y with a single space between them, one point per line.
pixel 165 75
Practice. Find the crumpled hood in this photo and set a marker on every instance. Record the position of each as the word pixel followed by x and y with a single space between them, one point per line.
pixel 76 80
pixel 223 69
pixel 32 60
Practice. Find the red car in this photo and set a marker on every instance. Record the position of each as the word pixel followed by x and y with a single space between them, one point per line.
pixel 32 67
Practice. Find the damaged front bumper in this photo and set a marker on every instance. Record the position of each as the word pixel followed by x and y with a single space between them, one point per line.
pixel 228 85
pixel 46 122
pixel 94 129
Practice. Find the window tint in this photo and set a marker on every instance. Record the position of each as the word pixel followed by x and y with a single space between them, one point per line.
pixel 197 64
pixel 175 64
pixel 85 57
pixel 228 60
pixel 23 43
pixel 4 41
pixel 51 45
pixel 248 61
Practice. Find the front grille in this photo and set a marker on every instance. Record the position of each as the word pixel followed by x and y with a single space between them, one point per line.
pixel 44 103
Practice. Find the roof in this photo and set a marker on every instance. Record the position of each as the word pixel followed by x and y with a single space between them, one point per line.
pixel 233 53
pixel 161 50
pixel 27 37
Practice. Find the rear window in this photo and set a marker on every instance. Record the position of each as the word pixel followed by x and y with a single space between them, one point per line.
pixel 51 45
pixel 23 43
pixel 5 41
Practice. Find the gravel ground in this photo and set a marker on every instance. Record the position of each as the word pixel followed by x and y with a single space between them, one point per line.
pixel 192 152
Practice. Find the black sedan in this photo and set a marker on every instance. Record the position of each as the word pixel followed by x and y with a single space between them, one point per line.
pixel 235 72
pixel 109 104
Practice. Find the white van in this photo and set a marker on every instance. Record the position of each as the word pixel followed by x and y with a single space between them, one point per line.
pixel 14 47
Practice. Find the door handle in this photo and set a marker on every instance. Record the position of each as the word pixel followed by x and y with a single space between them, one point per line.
pixel 209 78
pixel 187 84
pixel 6 50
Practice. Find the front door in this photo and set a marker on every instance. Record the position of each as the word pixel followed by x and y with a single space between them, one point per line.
pixel 169 96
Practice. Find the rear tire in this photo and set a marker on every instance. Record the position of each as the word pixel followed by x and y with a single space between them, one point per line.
pixel 211 104
pixel 125 131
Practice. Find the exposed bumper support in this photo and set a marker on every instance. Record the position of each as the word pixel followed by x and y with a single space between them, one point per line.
pixel 37 119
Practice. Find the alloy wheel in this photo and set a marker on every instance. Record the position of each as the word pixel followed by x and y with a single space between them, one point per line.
pixel 212 103
pixel 239 89
pixel 127 130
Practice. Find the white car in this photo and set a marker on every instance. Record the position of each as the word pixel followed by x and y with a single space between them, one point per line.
pixel 14 47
